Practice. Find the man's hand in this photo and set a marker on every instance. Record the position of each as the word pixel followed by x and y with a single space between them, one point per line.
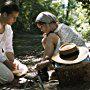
pixel 42 64
pixel 10 65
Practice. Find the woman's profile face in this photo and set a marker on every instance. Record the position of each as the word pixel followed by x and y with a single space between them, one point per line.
pixel 10 18
pixel 45 28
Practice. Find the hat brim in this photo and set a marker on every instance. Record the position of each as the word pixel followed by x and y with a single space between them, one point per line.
pixel 83 53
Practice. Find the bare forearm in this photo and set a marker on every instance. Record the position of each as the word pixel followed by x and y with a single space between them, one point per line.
pixel 42 64
pixel 10 56
pixel 51 43
pixel 9 63
pixel 48 52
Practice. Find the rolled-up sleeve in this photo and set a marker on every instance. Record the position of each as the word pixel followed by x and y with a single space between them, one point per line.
pixel 3 58
pixel 8 39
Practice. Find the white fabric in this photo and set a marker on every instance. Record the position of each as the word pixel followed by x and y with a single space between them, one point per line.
pixel 8 39
pixel 21 68
pixel 67 35
pixel 6 42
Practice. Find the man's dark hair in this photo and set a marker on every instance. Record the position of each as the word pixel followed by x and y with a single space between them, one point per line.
pixel 9 7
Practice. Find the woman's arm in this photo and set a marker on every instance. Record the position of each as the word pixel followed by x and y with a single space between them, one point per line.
pixel 51 43
pixel 8 48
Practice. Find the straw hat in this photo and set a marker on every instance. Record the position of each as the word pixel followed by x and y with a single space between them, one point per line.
pixel 70 53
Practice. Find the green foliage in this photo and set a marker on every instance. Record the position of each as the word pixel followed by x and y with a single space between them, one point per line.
pixel 74 14
pixel 86 35
pixel 2 2
pixel 28 13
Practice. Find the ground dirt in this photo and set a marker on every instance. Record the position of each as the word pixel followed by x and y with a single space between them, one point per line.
pixel 28 50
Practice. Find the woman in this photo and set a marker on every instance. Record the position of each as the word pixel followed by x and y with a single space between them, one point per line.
pixel 54 35
pixel 9 14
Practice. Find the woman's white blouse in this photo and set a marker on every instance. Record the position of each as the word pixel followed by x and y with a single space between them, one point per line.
pixel 6 42
pixel 67 35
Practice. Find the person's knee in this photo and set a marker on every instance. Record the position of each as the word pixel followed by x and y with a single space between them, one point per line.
pixel 6 74
pixel 10 77
pixel 7 79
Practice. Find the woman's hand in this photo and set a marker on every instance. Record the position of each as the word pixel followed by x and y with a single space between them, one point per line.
pixel 42 64
pixel 10 65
